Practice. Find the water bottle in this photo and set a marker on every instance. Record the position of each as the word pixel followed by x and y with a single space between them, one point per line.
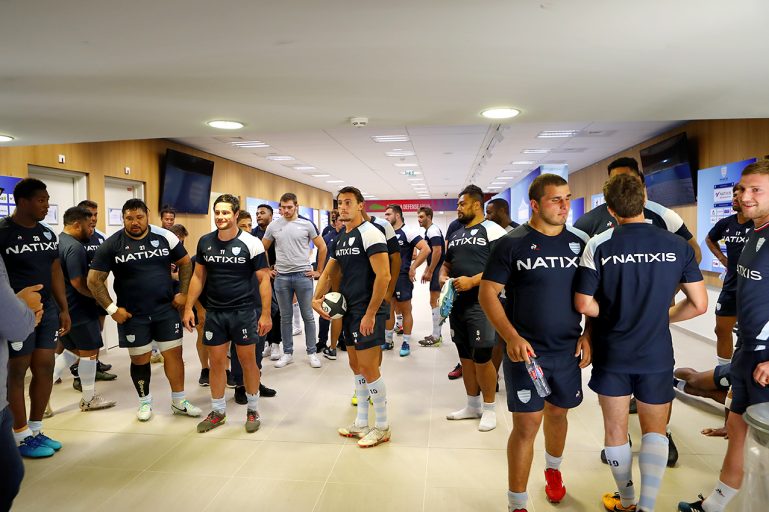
pixel 537 377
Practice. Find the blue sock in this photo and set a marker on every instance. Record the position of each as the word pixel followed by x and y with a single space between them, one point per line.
pixel 652 460
pixel 378 393
pixel 361 390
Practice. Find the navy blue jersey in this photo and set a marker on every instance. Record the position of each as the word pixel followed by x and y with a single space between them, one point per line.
pixel 752 289
pixel 598 220
pixel 328 229
pixel 453 226
pixel 633 272
pixel 387 230
pixel 28 254
pixel 352 254
pixel 142 268
pixel 435 238
pixel 467 253
pixel 538 272
pixel 230 266
pixel 408 238
pixel 330 238
pixel 734 236
pixel 93 243
pixel 259 233
pixel 74 264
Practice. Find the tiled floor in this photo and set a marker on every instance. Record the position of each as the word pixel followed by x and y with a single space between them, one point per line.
pixel 297 462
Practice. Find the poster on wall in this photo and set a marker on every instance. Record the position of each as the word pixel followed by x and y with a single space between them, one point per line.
pixel 596 200
pixel 7 204
pixel 714 202
pixel 252 204
pixel 576 211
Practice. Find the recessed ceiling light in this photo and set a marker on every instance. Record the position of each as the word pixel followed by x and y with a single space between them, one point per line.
pixel 225 125
pixel 493 188
pixel 334 181
pixel 535 151
pixel 557 134
pixel 304 167
pixel 390 138
pixel 400 153
pixel 514 171
pixel 503 177
pixel 500 113
pixel 320 175
pixel 5 138
pixel 498 183
pixel 280 158
pixel 523 162
pixel 404 164
pixel 250 144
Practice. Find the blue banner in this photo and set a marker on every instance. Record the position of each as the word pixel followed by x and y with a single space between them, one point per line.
pixel 7 204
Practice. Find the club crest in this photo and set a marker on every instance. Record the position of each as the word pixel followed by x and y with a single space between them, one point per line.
pixel 47 234
pixel 155 243
pixel 130 338
pixel 17 345
pixel 524 395
pixel 236 250
pixel 574 246
pixel 209 335
pixel 473 232
pixel 350 241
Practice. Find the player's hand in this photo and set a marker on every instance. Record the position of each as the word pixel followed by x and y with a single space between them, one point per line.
pixel 265 323
pixel 31 297
pixel 38 317
pixel 317 305
pixel 273 274
pixel 180 299
pixel 367 325
pixel 584 347
pixel 188 319
pixel 761 374
pixel 412 274
pixel 313 274
pixel 65 323
pixel 519 350
pixel 121 316
pixel 427 276
pixel 463 283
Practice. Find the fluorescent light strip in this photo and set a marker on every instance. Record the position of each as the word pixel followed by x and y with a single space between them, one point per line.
pixel 320 175
pixel 523 162
pixel 390 138
pixel 503 177
pixel 334 181
pixel 399 153
pixel 557 134
pixel 304 167
pixel 280 158
pixel 535 151
pixel 415 179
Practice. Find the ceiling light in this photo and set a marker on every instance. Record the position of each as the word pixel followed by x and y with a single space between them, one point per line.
pixel 493 188
pixel 415 179
pixel 514 171
pixel 5 138
pixel 498 183
pixel 399 153
pixel 225 125
pixel 523 162
pixel 334 181
pixel 500 113
pixel 304 168
pixel 320 175
pixel 390 138
pixel 250 144
pixel 535 151
pixel 280 158
pixel 503 177
pixel 404 164
pixel 557 134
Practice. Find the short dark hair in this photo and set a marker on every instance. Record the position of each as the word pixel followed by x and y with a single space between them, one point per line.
pixel 624 195
pixel 266 207
pixel 179 230
pixel 760 167
pixel 27 188
pixel 627 161
pixel 334 214
pixel 87 203
pixel 230 199
pixel 351 190
pixel 135 204
pixel 474 191
pixel 76 214
pixel 396 208
pixel 243 214
pixel 537 187
pixel 289 196
pixel 428 211
pixel 167 209
pixel 501 204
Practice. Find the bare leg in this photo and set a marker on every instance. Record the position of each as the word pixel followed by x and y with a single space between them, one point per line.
pixel 468 377
pixel 174 368
pixel 486 375
pixel 724 338
pixel 520 449
pixel 17 370
pixel 217 355
pixel 40 386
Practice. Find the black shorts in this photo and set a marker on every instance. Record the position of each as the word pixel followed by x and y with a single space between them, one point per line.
pixel 562 373
pixel 238 326
pixel 45 335
pixel 721 377
pixel 85 336
pixel 471 328
pixel 649 388
pixel 404 288
pixel 745 390
pixel 435 284
pixel 351 330
pixel 140 331
pixel 727 303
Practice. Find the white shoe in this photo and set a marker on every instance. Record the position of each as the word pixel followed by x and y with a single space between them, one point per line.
pixel 314 361
pixel 297 330
pixel 488 420
pixel 267 350
pixel 186 409
pixel 275 351
pixel 284 360
pixel 144 412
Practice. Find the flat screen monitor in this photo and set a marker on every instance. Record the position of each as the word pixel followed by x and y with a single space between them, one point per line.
pixel 185 182
pixel 668 172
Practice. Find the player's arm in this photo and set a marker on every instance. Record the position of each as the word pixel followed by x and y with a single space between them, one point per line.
pixel 332 274
pixel 265 292
pixel 60 296
pixel 395 268
pixel 381 267
pixel 196 284
pixel 695 303
pixel 586 304
pixel 267 243
pixel 518 349
pixel 185 274
pixel 465 283
pixel 97 283
pixel 423 249
pixel 715 248
pixel 79 283
pixel 585 345
pixel 696 247
pixel 320 244
pixel 430 270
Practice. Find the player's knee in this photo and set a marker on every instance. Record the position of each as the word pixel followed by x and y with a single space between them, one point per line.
pixel 464 352
pixel 482 355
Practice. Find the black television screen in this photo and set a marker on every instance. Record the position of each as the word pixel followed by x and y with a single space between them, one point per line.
pixel 668 172
pixel 186 182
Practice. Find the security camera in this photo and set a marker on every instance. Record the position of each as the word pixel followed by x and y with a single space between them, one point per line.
pixel 359 122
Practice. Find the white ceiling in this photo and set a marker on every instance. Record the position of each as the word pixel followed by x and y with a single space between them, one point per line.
pixel 295 72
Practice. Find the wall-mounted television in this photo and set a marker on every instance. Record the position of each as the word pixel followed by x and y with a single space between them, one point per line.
pixel 668 172
pixel 185 182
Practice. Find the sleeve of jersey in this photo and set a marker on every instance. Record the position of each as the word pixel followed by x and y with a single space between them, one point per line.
pixel 76 261
pixel 102 259
pixel 373 241
pixel 691 273
pixel 499 265
pixel 588 275
pixel 493 232
pixel 716 233
pixel 392 240
pixel 199 259
pixel 256 250
pixel 268 233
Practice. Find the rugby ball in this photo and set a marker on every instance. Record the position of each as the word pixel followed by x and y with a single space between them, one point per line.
pixel 334 305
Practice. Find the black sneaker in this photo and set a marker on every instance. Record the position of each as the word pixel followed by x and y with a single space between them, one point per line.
pixel 691 507
pixel 230 380
pixel 329 353
pixel 240 395
pixel 266 392
pixel 320 346
pixel 100 375
pixel 77 385
pixel 73 370
pixel 203 380
pixel 102 367
pixel 672 451
pixel 342 347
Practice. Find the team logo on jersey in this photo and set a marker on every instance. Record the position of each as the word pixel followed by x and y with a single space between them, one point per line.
pixel 130 338
pixel 350 241
pixel 578 393
pixel 534 247
pixel 155 243
pixel 718 306
pixel 574 246
pixel 473 232
pixel 609 224
pixel 209 335
pixel 17 345
pixel 47 235
pixel 524 395
pixel 724 382
pixel 760 243
pixel 236 250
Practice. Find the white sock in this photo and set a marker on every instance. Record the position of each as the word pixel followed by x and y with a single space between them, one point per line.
pixel 35 426
pixel 253 401
pixel 406 338
pixel 652 460
pixel 63 360
pixel 471 410
pixel 723 360
pixel 552 462
pixel 146 399
pixel 21 436
pixel 389 335
pixel 489 417
pixel 516 500
pixel 177 397
pixel 436 323
pixel 621 463
pixel 379 398
pixel 719 498
pixel 361 391
pixel 219 405
pixel 681 384
pixel 87 374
